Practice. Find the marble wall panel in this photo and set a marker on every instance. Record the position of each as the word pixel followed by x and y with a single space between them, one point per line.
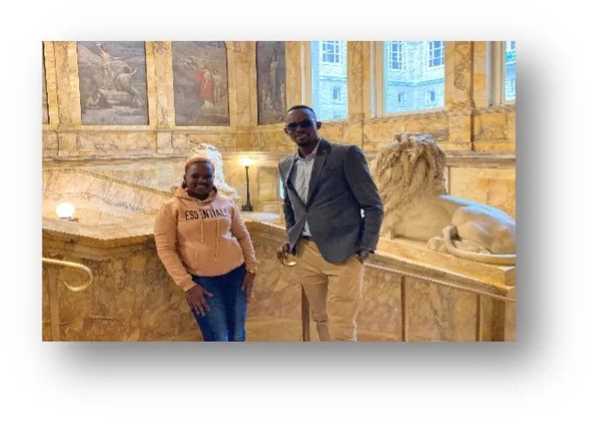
pixel 380 132
pixel 49 83
pixel 268 180
pixel 334 132
pixel 45 115
pixel 275 309
pixel 67 84
pixel 106 144
pixel 241 61
pixel 272 139
pixel 481 80
pixel 435 313
pixel 294 72
pixel 495 187
pixel 50 145
pixel 380 315
pixel 132 298
pixel 162 54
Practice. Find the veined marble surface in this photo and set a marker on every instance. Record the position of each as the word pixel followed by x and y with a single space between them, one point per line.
pixel 410 292
pixel 133 298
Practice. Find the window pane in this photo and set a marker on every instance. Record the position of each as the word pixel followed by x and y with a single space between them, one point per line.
pixel 330 51
pixel 436 54
pixel 416 81
pixel 396 56
pixel 329 79
pixel 510 71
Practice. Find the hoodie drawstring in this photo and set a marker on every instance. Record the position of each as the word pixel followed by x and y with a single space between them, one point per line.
pixel 217 239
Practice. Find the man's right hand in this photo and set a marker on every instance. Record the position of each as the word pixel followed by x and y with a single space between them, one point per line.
pixel 283 251
pixel 196 298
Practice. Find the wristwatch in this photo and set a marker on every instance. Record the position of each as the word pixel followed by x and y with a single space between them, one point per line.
pixel 251 270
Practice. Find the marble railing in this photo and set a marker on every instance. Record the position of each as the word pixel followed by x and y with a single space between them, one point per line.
pixel 410 293
pixel 132 297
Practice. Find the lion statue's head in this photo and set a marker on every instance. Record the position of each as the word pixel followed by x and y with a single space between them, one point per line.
pixel 410 168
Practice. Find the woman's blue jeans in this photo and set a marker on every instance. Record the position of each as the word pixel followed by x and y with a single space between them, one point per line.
pixel 226 317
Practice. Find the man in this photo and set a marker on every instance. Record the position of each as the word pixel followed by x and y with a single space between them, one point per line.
pixel 333 214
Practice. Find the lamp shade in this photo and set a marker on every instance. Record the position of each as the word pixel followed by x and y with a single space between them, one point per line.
pixel 65 210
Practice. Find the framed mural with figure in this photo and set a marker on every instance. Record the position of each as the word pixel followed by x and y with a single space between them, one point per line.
pixel 270 76
pixel 112 82
pixel 200 83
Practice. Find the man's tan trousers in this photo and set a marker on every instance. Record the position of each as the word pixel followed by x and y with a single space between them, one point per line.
pixel 333 291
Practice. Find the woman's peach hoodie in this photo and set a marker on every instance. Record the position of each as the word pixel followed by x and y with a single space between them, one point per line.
pixel 201 237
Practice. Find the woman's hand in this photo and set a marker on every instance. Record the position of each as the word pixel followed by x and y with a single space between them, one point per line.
pixel 248 284
pixel 196 298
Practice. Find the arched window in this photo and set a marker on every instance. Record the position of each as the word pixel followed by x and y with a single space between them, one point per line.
pixel 329 79
pixel 413 76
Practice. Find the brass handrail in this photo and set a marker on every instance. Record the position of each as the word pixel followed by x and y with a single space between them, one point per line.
pixel 75 265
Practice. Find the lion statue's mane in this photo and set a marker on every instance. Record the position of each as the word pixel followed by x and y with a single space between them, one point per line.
pixel 410 176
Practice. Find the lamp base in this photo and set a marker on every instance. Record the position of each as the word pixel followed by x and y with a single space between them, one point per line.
pixel 247 207
pixel 69 218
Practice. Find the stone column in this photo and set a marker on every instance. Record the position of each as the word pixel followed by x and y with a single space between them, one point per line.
pixel 161 99
pixel 243 114
pixel 294 73
pixel 481 75
pixel 510 317
pixel 49 134
pixel 68 97
pixel 52 95
pixel 459 95
pixel 151 82
pixel 357 74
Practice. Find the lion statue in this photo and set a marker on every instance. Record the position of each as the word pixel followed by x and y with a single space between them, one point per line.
pixel 410 176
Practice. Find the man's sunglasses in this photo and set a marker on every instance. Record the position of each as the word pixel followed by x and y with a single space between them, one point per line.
pixel 304 124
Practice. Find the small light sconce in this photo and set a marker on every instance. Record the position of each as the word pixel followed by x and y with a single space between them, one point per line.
pixel 247 162
pixel 66 211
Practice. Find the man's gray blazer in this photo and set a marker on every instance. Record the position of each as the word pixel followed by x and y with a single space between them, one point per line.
pixel 340 187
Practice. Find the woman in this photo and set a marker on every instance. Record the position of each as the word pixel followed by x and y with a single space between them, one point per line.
pixel 203 243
